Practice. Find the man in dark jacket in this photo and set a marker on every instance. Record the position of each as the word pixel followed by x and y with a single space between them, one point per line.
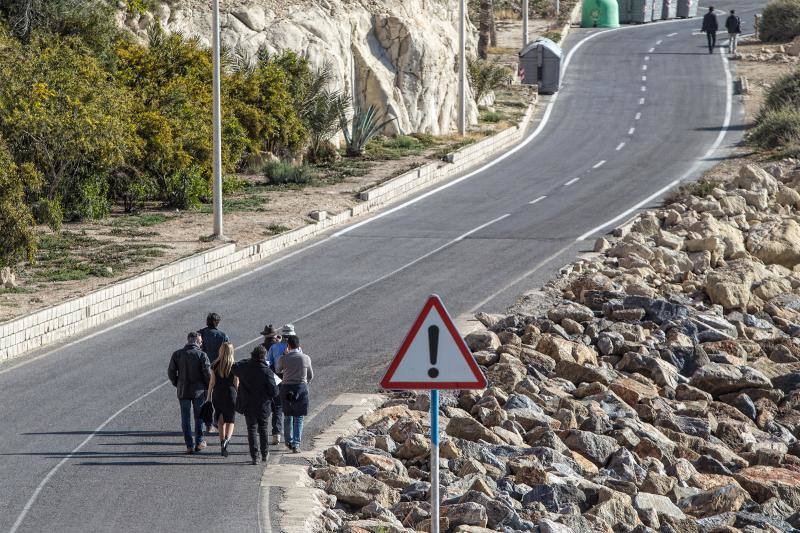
pixel 257 390
pixel 213 338
pixel 190 371
pixel 734 26
pixel 710 28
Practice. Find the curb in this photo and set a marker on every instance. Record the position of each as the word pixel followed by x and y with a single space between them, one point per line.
pixel 302 504
pixel 52 324
pixel 572 16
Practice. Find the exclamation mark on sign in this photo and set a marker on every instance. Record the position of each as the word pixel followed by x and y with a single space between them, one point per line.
pixel 433 349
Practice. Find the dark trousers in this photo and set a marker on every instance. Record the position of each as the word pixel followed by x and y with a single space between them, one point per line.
pixel 277 416
pixel 712 40
pixel 257 423
pixel 187 406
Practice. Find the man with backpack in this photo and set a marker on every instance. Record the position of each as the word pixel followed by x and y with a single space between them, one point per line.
pixel 710 28
pixel 734 26
pixel 190 372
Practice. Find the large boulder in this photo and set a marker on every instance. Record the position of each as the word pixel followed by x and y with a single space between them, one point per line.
pixel 776 242
pixel 755 178
pixel 730 285
pixel 765 482
pixel 360 490
pixel 721 378
pixel 467 428
pixel 597 448
pixel 727 498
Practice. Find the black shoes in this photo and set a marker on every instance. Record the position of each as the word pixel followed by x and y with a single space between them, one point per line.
pixel 264 457
pixel 224 447
pixel 254 461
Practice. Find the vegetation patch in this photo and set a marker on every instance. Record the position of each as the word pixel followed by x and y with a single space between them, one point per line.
pixel 780 21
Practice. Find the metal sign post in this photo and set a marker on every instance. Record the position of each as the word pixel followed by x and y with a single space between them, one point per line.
pixel 217 119
pixel 433 357
pixel 434 461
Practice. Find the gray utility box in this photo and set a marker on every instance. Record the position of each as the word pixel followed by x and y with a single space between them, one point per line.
pixel 540 63
pixel 670 9
pixel 687 8
pixel 635 11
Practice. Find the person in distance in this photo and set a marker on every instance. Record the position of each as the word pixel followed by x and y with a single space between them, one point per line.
pixel 190 372
pixel 222 391
pixel 295 369
pixel 256 391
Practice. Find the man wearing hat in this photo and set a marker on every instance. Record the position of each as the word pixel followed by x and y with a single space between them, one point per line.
pixel 275 342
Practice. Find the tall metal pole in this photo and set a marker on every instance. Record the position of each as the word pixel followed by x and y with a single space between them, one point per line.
pixel 217 118
pixel 434 461
pixel 524 22
pixel 462 67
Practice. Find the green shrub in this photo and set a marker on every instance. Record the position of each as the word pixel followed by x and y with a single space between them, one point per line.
pixel 403 142
pixel 780 21
pixel 554 36
pixel 18 236
pixel 493 116
pixel 486 76
pixel 288 174
pixel 777 129
pixel 784 92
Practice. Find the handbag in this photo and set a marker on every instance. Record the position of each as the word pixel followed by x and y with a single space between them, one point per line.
pixel 207 413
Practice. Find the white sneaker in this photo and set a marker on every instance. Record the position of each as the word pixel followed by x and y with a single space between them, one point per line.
pixel 276 439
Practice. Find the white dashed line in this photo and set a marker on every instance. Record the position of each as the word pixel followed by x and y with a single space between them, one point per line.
pixel 638 116
pixel 641 101
pixel 647 58
pixel 644 88
pixel 620 146
pixel 644 67
pixel 630 131
pixel 538 200
pixel 599 164
pixel 659 42
pixel 672 34
pixel 651 50
pixel 570 182
pixel 644 78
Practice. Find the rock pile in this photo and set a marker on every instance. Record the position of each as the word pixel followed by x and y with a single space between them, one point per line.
pixel 660 394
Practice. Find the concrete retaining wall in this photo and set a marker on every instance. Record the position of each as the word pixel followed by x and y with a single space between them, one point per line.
pixel 58 322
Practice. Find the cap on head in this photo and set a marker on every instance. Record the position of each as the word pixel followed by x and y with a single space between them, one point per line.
pixel 259 352
pixel 288 331
pixel 213 320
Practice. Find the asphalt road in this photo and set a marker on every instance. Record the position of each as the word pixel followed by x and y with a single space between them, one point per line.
pixel 90 440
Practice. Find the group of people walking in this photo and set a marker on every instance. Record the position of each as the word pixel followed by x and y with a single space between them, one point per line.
pixel 212 388
pixel 710 27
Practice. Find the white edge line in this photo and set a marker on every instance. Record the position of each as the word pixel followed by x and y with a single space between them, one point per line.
pixel 725 125
pixel 672 34
pixel 637 116
pixel 570 182
pixel 651 51
pixel 659 42
pixel 537 200
pixel 630 131
pixel 644 67
pixel 641 100
pixel 647 58
pixel 620 146
pixel 599 164
pixel 644 88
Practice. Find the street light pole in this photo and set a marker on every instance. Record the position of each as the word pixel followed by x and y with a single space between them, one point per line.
pixel 217 119
pixel 462 67
pixel 524 23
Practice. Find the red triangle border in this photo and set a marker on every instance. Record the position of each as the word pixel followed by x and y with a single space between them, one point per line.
pixel 434 302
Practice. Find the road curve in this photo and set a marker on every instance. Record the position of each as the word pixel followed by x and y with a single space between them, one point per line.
pixel 91 438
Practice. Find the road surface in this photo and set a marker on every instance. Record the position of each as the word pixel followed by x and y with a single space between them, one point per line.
pixel 90 438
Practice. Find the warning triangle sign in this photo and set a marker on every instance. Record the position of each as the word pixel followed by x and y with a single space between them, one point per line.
pixel 433 355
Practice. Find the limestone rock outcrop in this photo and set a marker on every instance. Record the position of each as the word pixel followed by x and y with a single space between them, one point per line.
pixel 398 55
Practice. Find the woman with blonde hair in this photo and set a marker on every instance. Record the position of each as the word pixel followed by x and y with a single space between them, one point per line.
pixel 222 391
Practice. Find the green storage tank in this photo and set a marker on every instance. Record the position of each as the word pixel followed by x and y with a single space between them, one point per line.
pixel 600 14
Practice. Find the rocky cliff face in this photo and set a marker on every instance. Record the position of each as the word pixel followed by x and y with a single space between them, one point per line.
pixel 399 55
